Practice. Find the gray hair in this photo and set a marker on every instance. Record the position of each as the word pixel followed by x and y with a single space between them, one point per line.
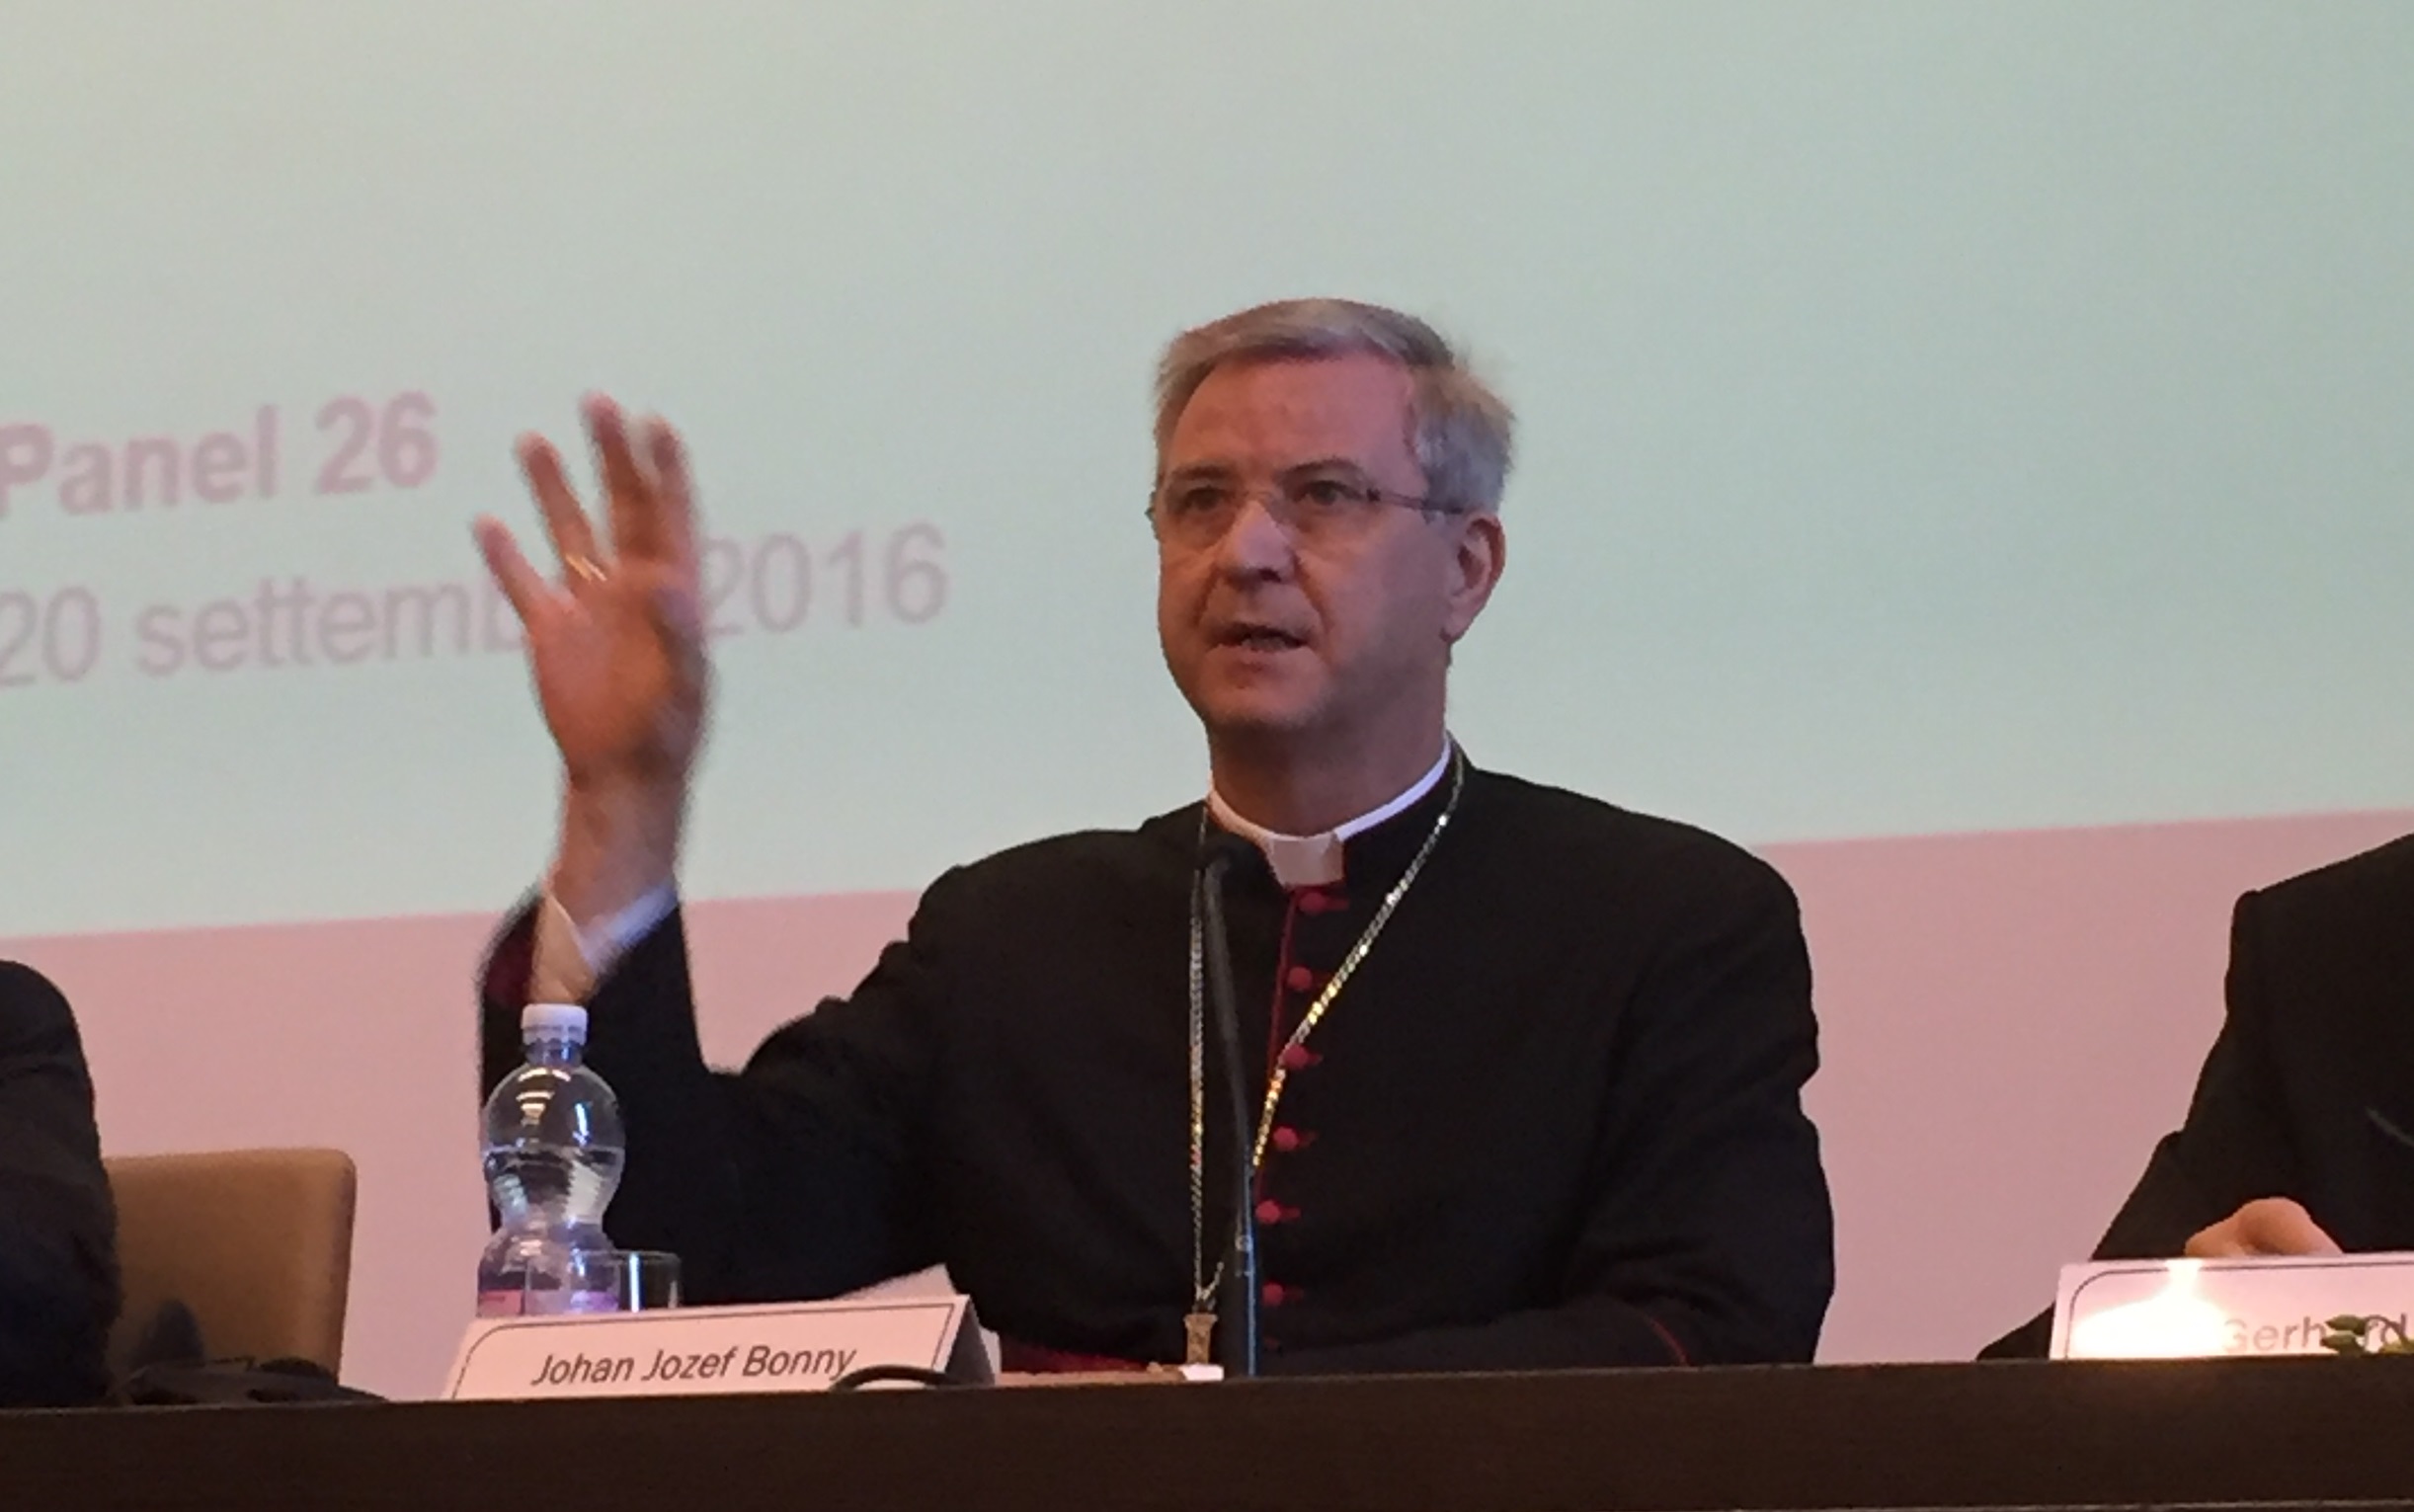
pixel 1459 429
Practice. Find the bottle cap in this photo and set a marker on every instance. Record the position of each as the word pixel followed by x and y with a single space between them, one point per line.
pixel 554 1021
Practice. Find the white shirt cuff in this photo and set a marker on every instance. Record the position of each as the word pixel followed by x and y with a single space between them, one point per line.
pixel 569 961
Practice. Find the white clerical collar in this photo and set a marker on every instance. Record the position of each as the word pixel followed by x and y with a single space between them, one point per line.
pixel 1315 861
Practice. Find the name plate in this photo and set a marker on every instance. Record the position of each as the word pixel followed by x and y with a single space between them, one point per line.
pixel 799 1346
pixel 2173 1310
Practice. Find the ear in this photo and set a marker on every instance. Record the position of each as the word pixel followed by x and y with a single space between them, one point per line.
pixel 1477 559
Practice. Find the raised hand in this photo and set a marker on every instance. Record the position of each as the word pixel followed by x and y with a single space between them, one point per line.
pixel 617 649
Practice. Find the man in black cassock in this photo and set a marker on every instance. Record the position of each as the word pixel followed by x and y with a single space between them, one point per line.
pixel 2300 1140
pixel 1530 1087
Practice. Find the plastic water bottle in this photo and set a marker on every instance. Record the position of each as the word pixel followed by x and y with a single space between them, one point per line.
pixel 553 1151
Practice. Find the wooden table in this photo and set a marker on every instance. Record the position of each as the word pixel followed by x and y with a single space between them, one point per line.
pixel 2229 1433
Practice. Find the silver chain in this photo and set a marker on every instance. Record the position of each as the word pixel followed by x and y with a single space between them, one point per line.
pixel 1204 1284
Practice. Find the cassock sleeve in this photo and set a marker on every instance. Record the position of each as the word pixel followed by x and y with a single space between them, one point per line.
pixel 58 1273
pixel 2234 1146
pixel 797 1177
pixel 1710 1237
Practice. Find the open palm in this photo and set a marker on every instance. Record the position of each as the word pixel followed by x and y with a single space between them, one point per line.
pixel 615 644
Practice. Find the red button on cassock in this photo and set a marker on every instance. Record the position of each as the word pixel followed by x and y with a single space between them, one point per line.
pixel 1286 1139
pixel 1273 1294
pixel 1313 902
pixel 1298 1057
pixel 1269 1212
pixel 1299 978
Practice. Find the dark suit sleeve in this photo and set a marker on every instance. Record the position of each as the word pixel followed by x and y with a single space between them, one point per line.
pixel 59 1274
pixel 2235 1146
pixel 1710 1239
pixel 797 1177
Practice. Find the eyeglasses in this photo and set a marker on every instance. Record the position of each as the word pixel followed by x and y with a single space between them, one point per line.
pixel 1315 506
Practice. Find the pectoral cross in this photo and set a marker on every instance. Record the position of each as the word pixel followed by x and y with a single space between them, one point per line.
pixel 1198 1330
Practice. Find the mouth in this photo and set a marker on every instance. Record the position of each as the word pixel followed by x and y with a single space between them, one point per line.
pixel 1268 638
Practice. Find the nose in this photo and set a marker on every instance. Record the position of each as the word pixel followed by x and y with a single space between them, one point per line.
pixel 1256 546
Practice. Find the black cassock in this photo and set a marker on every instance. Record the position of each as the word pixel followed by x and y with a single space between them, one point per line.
pixel 58 1265
pixel 1553 1120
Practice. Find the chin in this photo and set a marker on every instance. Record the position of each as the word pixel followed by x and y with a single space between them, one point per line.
pixel 1255 700
pixel 1255 716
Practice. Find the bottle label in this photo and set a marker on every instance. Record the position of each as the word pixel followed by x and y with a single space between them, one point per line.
pixel 546 1303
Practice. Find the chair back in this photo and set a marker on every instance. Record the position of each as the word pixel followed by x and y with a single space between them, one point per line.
pixel 256 1242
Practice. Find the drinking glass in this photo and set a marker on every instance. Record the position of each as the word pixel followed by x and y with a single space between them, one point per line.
pixel 624 1280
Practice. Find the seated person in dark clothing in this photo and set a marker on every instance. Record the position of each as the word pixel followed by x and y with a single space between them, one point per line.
pixel 2301 1137
pixel 58 1275
pixel 1522 1068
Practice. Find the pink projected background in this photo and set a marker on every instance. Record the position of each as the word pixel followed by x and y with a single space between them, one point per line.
pixel 2009 1021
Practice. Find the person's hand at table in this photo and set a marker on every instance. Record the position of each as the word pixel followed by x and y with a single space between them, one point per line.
pixel 2268 1226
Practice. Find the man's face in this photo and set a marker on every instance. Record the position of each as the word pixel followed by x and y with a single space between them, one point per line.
pixel 1273 629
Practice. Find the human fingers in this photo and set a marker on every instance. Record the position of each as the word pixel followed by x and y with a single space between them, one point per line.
pixel 630 499
pixel 566 523
pixel 2278 1226
pixel 521 584
pixel 675 489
